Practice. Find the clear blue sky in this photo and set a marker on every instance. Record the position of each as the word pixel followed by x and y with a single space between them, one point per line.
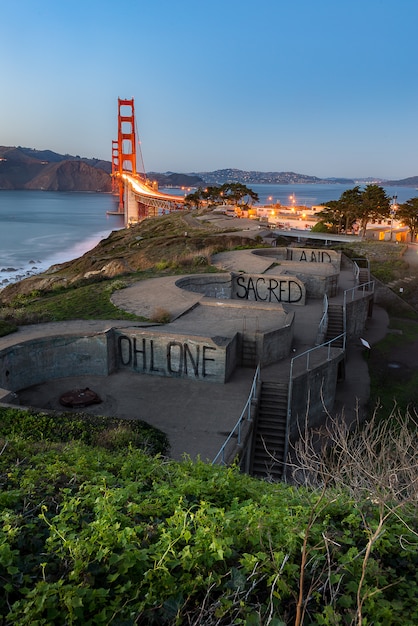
pixel 319 87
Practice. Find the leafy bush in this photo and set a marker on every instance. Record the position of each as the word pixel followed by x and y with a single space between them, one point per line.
pixel 111 433
pixel 7 327
pixel 89 536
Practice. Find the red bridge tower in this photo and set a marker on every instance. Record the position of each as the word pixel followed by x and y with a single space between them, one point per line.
pixel 124 149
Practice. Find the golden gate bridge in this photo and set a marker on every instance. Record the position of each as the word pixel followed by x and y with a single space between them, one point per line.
pixel 138 197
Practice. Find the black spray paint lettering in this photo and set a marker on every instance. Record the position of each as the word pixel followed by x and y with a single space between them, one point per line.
pixel 268 290
pixel 181 359
pixel 310 256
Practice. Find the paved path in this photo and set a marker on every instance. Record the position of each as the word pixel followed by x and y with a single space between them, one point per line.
pixel 411 256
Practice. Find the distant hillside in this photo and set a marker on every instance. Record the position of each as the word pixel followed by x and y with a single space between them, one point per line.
pixel 171 179
pixel 261 178
pixel 26 168
pixel 412 181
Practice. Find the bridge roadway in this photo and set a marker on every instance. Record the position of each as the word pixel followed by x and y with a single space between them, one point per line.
pixel 142 201
pixel 196 416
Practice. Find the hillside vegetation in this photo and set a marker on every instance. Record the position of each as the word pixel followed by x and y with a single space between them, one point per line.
pixel 81 289
pixel 92 535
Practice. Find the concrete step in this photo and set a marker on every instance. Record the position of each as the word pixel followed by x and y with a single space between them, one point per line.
pixel 249 353
pixel 270 434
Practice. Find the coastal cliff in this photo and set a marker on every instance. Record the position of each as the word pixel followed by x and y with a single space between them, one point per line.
pixel 71 176
pixel 25 168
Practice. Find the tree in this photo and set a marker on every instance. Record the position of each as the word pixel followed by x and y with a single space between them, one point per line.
pixel 235 193
pixel 408 214
pixel 194 199
pixel 349 205
pixel 330 218
pixel 340 215
pixel 355 205
pixel 374 205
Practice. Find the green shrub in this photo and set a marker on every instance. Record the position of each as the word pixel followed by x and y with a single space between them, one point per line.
pixel 91 536
pixel 7 327
pixel 90 429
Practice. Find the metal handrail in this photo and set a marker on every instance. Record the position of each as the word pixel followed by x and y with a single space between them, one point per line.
pixel 362 261
pixel 246 414
pixel 307 354
pixel 356 271
pixel 369 286
pixel 357 263
pixel 324 319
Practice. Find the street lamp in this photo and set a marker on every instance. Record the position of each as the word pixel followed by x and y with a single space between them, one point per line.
pixel 392 214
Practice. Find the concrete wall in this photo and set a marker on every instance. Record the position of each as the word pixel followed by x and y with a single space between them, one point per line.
pixel 304 255
pixel 33 362
pixel 276 344
pixel 176 356
pixel 291 286
pixel 268 289
pixel 318 285
pixel 311 391
pixel 211 285
pixel 357 312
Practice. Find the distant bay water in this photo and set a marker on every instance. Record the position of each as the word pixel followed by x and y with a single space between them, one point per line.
pixel 313 194
pixel 309 195
pixel 42 228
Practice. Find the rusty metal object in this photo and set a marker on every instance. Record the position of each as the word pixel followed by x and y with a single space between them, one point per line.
pixel 80 397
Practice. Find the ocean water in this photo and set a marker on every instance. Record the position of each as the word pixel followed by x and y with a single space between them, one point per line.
pixel 41 228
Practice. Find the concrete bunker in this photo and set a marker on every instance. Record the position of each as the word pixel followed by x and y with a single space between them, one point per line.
pixel 242 319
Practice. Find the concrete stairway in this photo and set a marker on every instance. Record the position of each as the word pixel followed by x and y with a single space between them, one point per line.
pixel 249 352
pixel 269 444
pixel 364 275
pixel 335 324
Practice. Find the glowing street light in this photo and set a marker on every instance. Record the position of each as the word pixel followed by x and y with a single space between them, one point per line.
pixel 393 210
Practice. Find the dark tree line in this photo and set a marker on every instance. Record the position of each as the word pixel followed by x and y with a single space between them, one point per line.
pixel 357 206
pixel 408 213
pixel 228 193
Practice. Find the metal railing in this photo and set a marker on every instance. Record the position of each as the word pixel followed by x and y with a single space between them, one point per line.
pixel 354 291
pixel 308 353
pixel 245 416
pixel 357 264
pixel 323 324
